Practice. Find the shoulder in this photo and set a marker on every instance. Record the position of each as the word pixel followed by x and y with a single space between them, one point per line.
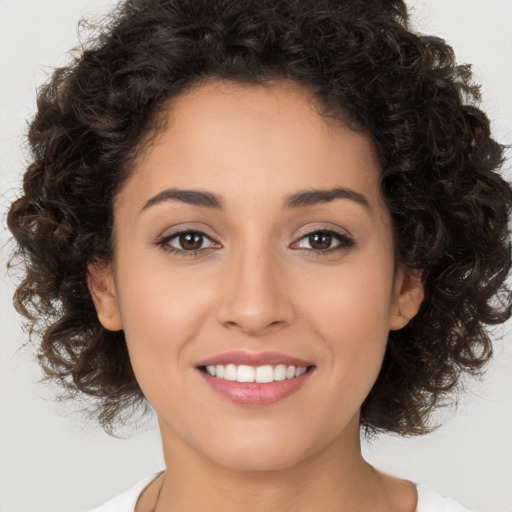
pixel 430 501
pixel 126 501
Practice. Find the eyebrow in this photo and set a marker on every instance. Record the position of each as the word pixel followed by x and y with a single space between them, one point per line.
pixel 315 196
pixel 299 199
pixel 194 197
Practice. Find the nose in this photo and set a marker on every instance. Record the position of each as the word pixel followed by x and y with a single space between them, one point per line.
pixel 254 298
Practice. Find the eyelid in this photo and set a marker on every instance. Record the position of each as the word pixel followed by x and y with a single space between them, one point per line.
pixel 311 229
pixel 170 232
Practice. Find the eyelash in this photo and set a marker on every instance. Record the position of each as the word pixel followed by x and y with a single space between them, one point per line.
pixel 344 242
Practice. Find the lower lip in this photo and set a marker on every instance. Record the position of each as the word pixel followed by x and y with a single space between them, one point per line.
pixel 252 393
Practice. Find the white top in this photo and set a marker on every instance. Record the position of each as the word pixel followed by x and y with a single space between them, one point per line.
pixel 428 500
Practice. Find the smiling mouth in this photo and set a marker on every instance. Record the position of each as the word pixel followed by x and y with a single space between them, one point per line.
pixel 265 374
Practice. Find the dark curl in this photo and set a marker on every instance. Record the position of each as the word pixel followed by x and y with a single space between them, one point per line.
pixel 439 165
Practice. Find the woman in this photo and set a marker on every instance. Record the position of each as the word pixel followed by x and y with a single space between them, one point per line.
pixel 277 223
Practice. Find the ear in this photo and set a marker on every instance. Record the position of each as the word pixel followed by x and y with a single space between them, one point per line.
pixel 102 288
pixel 408 296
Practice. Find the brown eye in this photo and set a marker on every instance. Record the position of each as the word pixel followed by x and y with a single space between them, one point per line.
pixel 190 241
pixel 320 241
pixel 186 242
pixel 325 240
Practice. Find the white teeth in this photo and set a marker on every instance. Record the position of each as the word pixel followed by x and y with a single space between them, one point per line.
pixel 264 374
pixel 230 372
pixel 280 372
pixel 245 373
pixel 259 374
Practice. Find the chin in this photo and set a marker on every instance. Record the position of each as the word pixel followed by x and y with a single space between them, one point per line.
pixel 259 460
pixel 261 451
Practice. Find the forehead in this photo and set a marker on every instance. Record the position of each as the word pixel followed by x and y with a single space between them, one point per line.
pixel 262 138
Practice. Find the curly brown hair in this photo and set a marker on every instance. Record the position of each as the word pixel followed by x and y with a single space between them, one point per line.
pixel 449 205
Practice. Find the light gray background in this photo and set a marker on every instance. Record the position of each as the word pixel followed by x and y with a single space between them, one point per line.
pixel 51 461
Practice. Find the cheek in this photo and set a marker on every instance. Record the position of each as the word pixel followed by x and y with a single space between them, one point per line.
pixel 161 315
pixel 351 313
pixel 353 331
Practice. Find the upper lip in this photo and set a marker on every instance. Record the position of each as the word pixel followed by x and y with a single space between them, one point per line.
pixel 238 357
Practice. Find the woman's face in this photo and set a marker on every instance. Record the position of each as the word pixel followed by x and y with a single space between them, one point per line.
pixel 253 238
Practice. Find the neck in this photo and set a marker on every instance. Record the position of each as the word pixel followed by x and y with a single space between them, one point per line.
pixel 332 480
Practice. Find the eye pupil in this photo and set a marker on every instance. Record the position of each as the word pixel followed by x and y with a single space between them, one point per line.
pixel 191 241
pixel 320 241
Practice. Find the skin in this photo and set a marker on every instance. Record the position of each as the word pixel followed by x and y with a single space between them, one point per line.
pixel 258 283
